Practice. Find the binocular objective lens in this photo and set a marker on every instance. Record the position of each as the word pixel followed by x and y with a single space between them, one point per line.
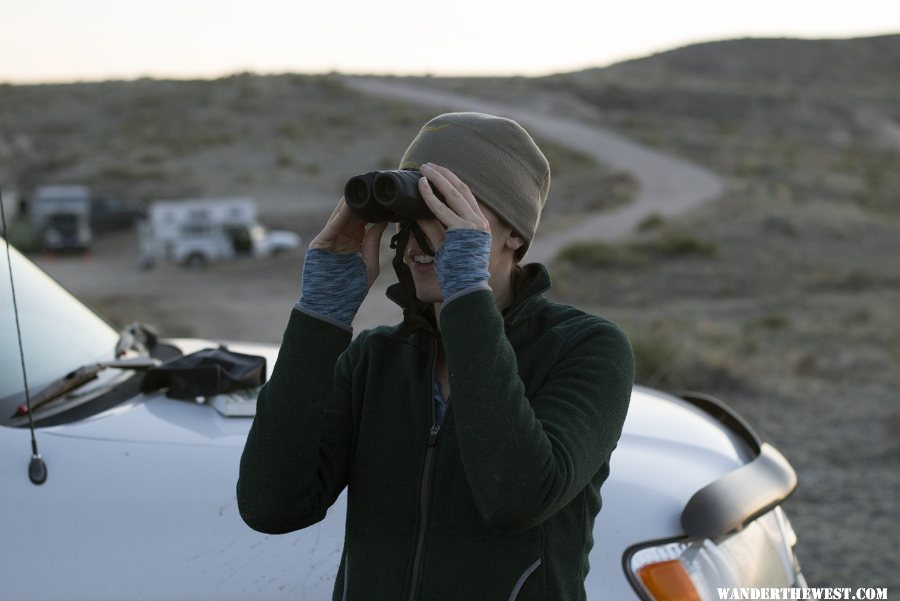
pixel 357 192
pixel 385 188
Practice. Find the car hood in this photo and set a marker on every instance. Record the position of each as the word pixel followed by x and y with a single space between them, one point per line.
pixel 668 450
pixel 153 418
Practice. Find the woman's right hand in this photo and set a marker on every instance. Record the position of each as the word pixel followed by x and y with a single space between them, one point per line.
pixel 345 233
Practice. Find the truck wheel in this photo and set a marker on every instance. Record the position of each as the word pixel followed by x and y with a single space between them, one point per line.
pixel 196 261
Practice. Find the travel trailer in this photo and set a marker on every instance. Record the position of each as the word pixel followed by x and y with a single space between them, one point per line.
pixel 195 232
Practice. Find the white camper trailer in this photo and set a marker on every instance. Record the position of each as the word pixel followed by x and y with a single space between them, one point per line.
pixel 195 232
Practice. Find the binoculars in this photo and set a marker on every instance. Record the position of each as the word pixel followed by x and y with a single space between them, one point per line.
pixel 391 195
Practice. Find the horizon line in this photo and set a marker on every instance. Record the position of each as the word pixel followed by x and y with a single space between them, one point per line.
pixel 429 73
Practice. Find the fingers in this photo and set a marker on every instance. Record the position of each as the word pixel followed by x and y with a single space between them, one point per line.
pixel 336 220
pixel 337 208
pixel 343 232
pixel 459 199
pixel 373 236
pixel 442 212
pixel 458 185
pixel 454 192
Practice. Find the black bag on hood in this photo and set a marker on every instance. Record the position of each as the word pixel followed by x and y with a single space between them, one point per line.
pixel 206 373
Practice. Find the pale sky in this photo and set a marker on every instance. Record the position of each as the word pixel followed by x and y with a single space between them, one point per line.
pixel 69 40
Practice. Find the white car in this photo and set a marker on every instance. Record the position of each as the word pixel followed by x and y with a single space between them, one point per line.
pixel 139 496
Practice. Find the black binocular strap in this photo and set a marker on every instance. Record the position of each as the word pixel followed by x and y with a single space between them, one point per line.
pixel 413 308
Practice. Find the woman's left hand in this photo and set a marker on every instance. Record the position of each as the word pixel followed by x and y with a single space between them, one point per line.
pixel 461 210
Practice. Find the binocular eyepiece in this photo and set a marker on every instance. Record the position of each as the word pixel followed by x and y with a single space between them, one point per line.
pixel 391 195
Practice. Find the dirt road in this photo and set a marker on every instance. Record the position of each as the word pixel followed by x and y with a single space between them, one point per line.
pixel 668 185
pixel 219 300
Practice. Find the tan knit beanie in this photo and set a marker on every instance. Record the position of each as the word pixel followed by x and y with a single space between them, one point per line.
pixel 495 157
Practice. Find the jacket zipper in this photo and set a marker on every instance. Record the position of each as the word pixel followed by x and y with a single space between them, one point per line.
pixel 521 582
pixel 346 576
pixel 430 443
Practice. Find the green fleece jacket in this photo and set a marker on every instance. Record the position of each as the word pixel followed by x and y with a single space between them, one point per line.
pixel 498 502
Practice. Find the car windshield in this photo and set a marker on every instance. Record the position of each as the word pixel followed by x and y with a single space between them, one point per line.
pixel 66 223
pixel 59 334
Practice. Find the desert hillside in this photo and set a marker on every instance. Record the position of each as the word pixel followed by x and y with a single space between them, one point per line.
pixel 780 296
pixel 800 119
pixel 290 141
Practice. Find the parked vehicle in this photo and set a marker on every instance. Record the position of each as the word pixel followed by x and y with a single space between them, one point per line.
pixel 139 500
pixel 195 232
pixel 111 214
pixel 61 216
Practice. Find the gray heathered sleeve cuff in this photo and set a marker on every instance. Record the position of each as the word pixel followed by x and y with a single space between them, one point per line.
pixel 334 285
pixel 464 292
pixel 321 317
pixel 462 262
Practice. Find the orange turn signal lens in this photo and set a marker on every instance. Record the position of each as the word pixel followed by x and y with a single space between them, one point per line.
pixel 668 581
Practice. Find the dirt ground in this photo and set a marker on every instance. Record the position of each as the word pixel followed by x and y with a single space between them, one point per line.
pixel 804 343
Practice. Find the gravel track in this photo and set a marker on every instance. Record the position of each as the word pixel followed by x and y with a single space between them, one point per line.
pixel 668 185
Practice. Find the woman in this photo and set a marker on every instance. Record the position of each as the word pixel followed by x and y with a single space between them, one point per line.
pixel 474 436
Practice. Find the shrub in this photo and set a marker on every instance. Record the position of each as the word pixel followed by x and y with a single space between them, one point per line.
pixel 562 159
pixel 651 222
pixel 774 320
pixel 126 173
pixel 598 255
pixel 672 362
pixel 292 130
pixel 669 244
pixel 283 158
pixel 673 243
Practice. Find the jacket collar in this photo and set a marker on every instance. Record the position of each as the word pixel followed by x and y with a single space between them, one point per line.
pixel 418 315
pixel 534 282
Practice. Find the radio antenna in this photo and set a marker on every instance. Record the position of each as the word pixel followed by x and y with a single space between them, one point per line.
pixel 37 469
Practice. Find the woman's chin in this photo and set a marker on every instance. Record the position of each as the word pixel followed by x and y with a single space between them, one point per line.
pixel 429 293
